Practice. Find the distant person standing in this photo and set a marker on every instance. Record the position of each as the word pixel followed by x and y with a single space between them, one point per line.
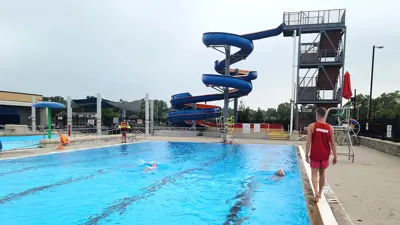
pixel 124 126
pixel 320 142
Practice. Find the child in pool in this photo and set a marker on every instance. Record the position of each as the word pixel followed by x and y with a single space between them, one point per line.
pixel 280 173
pixel 152 167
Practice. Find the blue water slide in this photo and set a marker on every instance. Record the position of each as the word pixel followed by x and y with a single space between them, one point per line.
pixel 239 81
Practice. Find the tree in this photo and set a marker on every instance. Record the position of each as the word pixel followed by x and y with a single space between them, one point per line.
pixel 243 113
pixel 386 105
pixel 259 115
pixel 58 99
pixel 283 111
pixel 271 114
pixel 362 102
pixel 142 112
pixel 160 110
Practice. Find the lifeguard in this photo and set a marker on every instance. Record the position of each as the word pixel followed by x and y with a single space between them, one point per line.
pixel 124 126
pixel 63 141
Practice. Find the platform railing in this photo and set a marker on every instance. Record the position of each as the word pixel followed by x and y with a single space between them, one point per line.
pixel 314 17
pixel 316 56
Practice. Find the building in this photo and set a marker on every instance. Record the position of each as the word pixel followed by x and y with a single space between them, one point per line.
pixel 15 108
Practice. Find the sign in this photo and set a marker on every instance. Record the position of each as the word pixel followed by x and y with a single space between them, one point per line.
pixel 115 120
pixel 306 110
pixel 90 122
pixel 257 128
pixel 246 128
pixel 140 121
pixel 389 131
pixel 60 118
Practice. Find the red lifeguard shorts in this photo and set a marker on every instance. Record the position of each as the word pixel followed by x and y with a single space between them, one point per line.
pixel 319 164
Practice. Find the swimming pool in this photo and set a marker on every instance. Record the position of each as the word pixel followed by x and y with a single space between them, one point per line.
pixel 22 142
pixel 195 183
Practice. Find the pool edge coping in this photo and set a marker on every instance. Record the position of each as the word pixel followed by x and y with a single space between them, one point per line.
pixel 325 211
pixel 66 151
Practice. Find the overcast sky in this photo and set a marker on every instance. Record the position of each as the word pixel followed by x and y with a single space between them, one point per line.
pixel 126 48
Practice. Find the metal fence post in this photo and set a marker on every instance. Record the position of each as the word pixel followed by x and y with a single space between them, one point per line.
pixel 396 128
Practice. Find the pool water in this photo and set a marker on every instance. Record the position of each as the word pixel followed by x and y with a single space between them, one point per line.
pixel 22 142
pixel 195 183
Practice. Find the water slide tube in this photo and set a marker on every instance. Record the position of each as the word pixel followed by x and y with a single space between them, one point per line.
pixel 239 81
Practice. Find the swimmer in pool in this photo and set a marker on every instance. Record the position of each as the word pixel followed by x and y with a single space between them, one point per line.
pixel 280 173
pixel 152 167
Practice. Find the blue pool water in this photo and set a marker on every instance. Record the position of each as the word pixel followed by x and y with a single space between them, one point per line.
pixel 21 142
pixel 195 183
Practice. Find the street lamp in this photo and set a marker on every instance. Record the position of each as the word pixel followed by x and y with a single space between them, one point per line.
pixel 372 79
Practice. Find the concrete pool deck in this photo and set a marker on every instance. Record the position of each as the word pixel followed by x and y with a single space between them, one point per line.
pixel 368 189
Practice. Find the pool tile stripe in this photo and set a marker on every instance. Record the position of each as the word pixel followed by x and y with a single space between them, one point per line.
pixel 14 196
pixel 243 200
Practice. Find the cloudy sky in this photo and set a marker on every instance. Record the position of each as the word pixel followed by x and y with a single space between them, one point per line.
pixel 126 48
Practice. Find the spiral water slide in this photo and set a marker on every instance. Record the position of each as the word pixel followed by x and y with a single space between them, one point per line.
pixel 239 81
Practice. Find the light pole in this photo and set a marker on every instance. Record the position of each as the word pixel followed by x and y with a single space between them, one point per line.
pixel 372 80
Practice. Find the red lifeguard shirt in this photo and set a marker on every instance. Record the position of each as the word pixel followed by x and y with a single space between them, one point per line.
pixel 320 142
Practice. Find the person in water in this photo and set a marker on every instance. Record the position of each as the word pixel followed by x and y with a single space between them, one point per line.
pixel 152 167
pixel 280 173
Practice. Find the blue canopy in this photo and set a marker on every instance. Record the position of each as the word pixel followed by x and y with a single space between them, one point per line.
pixel 53 105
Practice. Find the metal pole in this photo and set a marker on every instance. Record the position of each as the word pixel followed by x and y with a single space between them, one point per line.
pixel 69 115
pixel 355 104
pixel 151 116
pixel 293 84
pixel 98 117
pixel 33 114
pixel 49 125
pixel 372 80
pixel 343 57
pixel 226 90
pixel 194 121
pixel 297 95
pixel 235 109
pixel 146 120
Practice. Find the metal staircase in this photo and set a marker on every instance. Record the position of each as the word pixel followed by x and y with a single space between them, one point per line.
pixel 320 60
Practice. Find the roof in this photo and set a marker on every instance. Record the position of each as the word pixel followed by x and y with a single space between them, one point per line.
pixel 12 92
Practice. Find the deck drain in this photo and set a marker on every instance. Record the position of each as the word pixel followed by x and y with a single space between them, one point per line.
pixel 332 200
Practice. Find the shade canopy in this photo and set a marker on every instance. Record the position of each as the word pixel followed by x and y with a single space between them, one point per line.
pixel 91 103
pixel 52 105
pixel 347 93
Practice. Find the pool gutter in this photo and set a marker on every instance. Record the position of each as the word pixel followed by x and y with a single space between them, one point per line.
pixel 319 212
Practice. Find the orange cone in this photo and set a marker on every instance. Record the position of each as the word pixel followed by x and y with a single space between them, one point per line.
pixel 60 147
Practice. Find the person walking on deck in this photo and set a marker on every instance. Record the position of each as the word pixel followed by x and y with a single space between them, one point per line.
pixel 320 142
